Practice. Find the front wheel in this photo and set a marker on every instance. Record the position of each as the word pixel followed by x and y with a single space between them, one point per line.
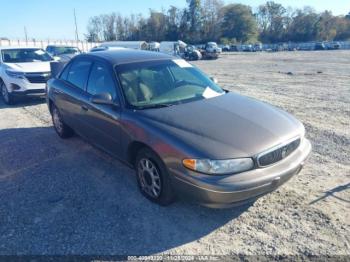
pixel 61 128
pixel 153 178
pixel 6 96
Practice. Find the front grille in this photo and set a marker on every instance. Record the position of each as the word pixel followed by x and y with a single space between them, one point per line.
pixel 38 78
pixel 277 154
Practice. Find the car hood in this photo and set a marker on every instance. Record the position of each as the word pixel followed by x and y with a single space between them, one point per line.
pixel 31 67
pixel 226 126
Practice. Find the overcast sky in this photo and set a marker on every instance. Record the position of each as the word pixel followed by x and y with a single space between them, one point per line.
pixel 54 19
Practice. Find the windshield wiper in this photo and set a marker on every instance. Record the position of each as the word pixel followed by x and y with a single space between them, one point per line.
pixel 154 106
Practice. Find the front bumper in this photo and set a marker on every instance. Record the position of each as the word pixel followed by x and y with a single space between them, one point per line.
pixel 238 189
pixel 22 87
pixel 30 92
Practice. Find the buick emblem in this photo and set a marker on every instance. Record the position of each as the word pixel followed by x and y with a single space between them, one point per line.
pixel 284 152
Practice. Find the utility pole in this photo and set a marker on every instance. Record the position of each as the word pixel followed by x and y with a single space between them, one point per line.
pixel 26 35
pixel 76 27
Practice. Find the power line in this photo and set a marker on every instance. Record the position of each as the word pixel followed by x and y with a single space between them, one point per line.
pixel 25 34
pixel 76 27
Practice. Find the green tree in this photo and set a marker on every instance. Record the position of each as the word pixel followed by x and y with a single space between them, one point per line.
pixel 342 25
pixel 272 19
pixel 108 27
pixel 239 23
pixel 326 27
pixel 194 18
pixel 156 26
pixel 173 21
pixel 303 27
pixel 94 29
pixel 211 20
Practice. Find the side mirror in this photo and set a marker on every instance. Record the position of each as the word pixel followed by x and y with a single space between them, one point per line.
pixel 214 79
pixel 56 58
pixel 102 99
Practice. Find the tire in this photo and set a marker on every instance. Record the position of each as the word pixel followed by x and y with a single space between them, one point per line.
pixel 150 169
pixel 61 128
pixel 6 96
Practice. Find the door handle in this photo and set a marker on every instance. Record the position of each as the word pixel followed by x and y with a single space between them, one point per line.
pixel 84 108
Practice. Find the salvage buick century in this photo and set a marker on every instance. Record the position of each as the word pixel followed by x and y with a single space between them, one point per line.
pixel 183 134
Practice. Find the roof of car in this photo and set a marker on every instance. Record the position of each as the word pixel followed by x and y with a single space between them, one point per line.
pixel 125 56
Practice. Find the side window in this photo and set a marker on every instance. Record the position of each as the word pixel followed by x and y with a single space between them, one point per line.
pixel 101 81
pixel 64 74
pixel 78 73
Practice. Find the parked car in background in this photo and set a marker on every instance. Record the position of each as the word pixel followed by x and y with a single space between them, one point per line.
pixel 211 51
pixel 320 46
pixel 104 48
pixel 154 46
pixel 23 72
pixel 138 45
pixel 175 48
pixel 65 53
pixel 247 48
pixel 234 48
pixel 165 118
pixel 192 53
pixel 226 48
pixel 258 47
pixel 333 45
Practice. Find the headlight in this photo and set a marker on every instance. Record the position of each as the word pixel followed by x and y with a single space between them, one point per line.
pixel 14 74
pixel 219 167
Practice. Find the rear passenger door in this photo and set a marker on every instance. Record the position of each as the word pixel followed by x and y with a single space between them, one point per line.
pixel 103 120
pixel 72 95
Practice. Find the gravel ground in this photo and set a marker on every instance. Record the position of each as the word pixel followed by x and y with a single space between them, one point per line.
pixel 66 197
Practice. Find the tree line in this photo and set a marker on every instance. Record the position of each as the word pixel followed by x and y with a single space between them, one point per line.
pixel 211 20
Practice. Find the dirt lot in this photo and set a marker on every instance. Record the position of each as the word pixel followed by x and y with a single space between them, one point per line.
pixel 65 197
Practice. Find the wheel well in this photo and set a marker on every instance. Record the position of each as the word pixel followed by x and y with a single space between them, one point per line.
pixel 50 106
pixel 133 149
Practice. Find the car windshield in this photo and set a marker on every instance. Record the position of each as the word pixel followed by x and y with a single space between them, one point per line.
pixel 164 83
pixel 61 50
pixel 25 55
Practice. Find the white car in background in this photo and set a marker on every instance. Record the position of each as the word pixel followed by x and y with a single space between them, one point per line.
pixel 24 71
pixel 105 48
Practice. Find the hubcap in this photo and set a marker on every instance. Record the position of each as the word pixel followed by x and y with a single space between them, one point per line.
pixel 149 178
pixel 57 121
pixel 4 93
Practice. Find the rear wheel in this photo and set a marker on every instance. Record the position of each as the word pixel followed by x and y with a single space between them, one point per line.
pixel 61 128
pixel 6 96
pixel 153 178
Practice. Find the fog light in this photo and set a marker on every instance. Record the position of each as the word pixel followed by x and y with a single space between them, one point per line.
pixel 15 87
